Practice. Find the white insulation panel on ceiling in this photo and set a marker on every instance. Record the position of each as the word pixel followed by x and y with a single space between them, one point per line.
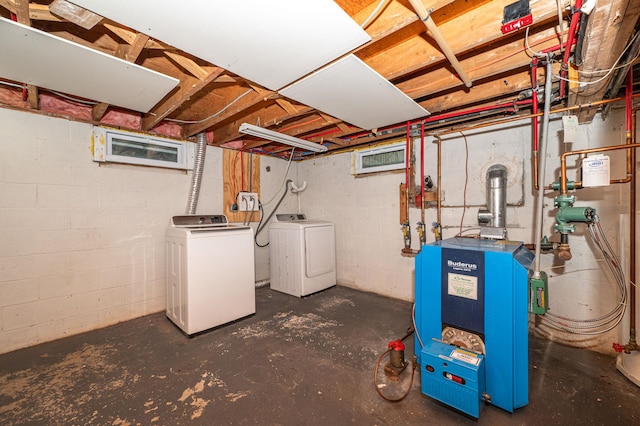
pixel 34 57
pixel 352 91
pixel 272 43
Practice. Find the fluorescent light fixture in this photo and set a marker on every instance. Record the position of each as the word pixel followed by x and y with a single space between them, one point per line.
pixel 261 132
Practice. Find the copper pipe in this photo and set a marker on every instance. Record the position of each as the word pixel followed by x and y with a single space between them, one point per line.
pixel 563 160
pixel 422 207
pixel 524 117
pixel 578 183
pixel 534 119
pixel 535 170
pixel 630 114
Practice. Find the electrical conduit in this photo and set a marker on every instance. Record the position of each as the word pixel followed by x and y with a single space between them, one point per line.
pixel 543 163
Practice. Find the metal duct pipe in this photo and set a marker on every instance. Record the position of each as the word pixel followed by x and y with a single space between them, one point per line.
pixel 497 195
pixel 198 167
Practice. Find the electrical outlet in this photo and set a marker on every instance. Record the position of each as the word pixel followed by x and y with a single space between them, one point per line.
pixel 247 201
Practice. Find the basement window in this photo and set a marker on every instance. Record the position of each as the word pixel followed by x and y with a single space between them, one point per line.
pixel 117 146
pixel 379 159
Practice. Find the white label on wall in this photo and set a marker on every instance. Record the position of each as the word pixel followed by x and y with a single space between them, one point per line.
pixel 570 127
pixel 595 171
pixel 463 286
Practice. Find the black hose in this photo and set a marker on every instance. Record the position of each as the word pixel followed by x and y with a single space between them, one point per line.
pixel 261 225
pixel 409 332
pixel 375 380
pixel 582 32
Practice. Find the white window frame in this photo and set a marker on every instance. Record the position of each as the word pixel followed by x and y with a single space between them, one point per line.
pixel 104 140
pixel 359 155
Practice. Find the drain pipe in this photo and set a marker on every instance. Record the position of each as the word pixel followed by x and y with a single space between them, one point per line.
pixel 198 167
pixel 542 163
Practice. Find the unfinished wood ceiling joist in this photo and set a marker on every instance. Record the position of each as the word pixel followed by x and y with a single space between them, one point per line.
pixel 221 81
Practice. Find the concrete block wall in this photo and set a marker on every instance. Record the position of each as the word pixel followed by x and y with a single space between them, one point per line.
pixel 365 210
pixel 273 174
pixel 82 243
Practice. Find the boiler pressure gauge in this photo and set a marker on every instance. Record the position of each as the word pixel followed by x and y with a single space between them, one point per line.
pixel 463 339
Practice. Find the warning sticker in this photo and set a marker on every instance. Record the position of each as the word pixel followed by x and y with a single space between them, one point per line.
pixel 465 356
pixel 463 286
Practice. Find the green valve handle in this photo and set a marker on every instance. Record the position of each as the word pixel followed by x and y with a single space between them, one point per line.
pixel 571 185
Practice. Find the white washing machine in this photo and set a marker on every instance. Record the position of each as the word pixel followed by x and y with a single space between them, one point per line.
pixel 303 254
pixel 210 272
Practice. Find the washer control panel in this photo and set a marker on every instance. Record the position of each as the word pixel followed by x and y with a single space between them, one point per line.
pixel 199 220
pixel 291 217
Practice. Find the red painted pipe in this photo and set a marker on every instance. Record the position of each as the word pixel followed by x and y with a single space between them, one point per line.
pixel 422 165
pixel 407 156
pixel 475 110
pixel 575 19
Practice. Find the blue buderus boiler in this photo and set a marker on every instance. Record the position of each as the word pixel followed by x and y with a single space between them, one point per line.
pixel 471 320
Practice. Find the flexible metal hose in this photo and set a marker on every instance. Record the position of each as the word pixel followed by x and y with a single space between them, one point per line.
pixel 603 323
pixel 198 167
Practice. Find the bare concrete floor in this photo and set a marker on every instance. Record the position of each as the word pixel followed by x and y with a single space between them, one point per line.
pixel 295 362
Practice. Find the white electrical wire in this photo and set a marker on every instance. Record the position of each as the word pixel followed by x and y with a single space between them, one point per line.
pixel 560 24
pixel 374 14
pixel 62 95
pixel 526 44
pixel 610 70
pixel 6 83
pixel 415 327
pixel 72 99
pixel 212 115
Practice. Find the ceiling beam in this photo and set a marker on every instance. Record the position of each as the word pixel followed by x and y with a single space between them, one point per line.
pixel 189 65
pixel 499 91
pixel 22 16
pixel 398 58
pixel 252 100
pixel 187 88
pixel 509 56
pixel 41 12
pixel 129 53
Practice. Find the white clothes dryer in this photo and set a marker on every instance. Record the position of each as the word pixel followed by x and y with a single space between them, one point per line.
pixel 303 254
